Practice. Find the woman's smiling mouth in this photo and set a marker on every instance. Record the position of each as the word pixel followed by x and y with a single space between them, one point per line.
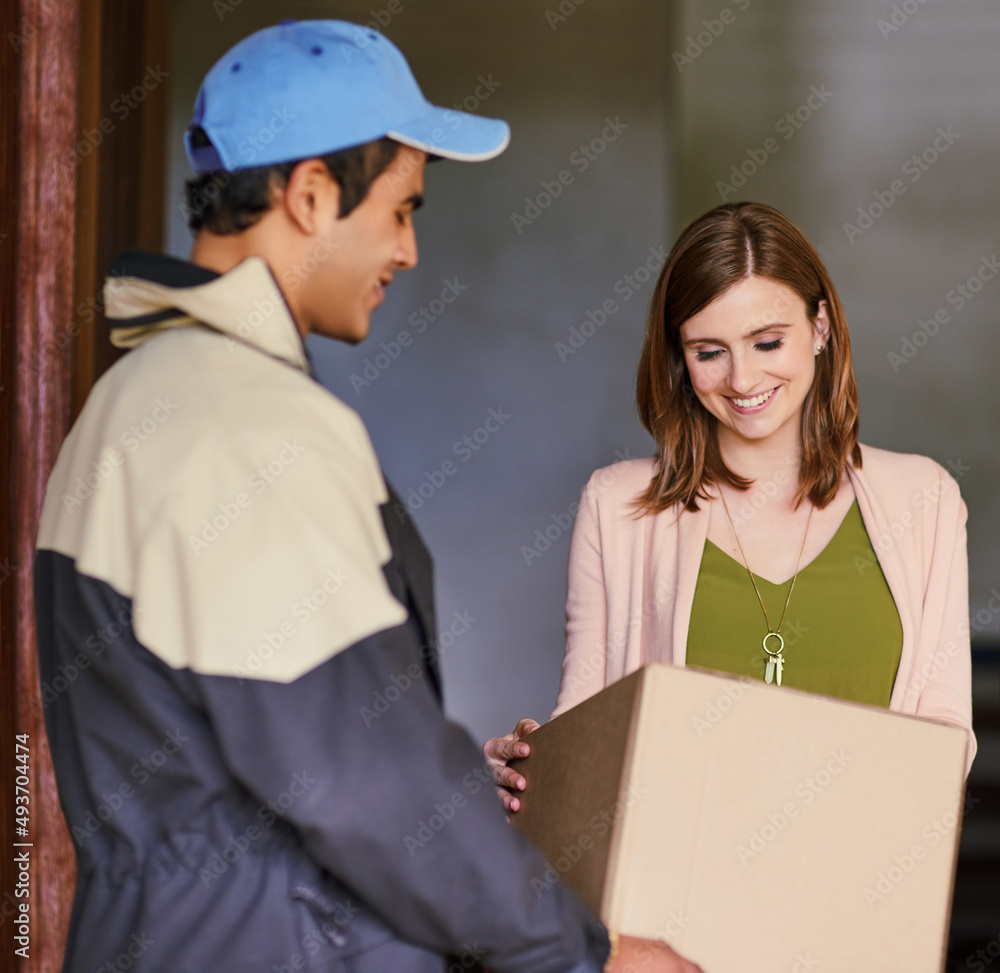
pixel 755 402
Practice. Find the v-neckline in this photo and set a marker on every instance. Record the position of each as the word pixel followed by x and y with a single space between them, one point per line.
pixel 804 567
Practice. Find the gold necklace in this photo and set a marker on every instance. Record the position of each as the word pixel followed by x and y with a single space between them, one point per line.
pixel 775 657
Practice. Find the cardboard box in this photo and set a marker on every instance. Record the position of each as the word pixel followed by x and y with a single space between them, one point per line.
pixel 756 829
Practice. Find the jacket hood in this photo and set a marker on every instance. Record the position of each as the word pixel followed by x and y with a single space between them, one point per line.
pixel 147 293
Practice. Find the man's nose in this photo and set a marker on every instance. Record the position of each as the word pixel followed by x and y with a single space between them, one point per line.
pixel 406 248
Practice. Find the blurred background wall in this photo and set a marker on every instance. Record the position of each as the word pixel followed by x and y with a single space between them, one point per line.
pixel 589 97
pixel 874 125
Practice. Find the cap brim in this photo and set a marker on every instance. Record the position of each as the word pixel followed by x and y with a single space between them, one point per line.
pixel 454 135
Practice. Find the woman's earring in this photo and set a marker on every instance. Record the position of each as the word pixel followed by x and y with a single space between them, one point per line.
pixel 819 348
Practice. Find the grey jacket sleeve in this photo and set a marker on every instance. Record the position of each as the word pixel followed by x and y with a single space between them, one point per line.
pixel 399 807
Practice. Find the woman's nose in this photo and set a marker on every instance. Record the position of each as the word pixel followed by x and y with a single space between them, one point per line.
pixel 744 375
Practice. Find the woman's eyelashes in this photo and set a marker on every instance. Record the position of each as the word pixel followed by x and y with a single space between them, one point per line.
pixel 773 345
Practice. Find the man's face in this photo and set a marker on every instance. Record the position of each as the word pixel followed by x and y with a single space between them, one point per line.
pixel 357 257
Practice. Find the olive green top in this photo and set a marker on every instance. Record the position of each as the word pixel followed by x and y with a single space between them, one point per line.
pixel 842 632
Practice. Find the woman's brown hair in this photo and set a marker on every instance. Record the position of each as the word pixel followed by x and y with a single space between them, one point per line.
pixel 721 248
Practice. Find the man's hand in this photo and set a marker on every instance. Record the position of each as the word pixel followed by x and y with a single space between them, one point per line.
pixel 649 956
pixel 497 751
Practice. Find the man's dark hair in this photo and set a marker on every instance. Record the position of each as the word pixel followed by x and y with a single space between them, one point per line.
pixel 231 202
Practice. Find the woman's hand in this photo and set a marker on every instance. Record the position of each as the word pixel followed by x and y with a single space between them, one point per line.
pixel 498 751
pixel 650 956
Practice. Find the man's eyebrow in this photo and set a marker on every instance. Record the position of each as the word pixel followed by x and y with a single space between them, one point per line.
pixel 416 200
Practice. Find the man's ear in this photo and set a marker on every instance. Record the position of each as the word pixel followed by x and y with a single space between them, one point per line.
pixel 310 196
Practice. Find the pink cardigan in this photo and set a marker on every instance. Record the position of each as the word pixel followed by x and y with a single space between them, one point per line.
pixel 632 581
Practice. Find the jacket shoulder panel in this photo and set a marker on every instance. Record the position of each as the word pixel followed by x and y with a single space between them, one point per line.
pixel 245 524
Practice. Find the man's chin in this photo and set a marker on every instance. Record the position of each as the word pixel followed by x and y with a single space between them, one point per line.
pixel 350 333
pixel 355 339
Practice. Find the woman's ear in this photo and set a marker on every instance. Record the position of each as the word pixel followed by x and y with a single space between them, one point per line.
pixel 822 324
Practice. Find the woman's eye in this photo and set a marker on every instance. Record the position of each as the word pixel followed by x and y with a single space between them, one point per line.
pixel 706 355
pixel 770 345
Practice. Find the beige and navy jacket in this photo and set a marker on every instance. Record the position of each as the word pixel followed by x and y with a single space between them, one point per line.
pixel 237 653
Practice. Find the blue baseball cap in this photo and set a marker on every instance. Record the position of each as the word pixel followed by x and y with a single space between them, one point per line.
pixel 306 88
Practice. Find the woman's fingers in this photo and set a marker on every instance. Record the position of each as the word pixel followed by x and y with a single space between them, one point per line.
pixel 510 803
pixel 492 750
pixel 524 727
pixel 508 777
pixel 498 751
pixel 509 747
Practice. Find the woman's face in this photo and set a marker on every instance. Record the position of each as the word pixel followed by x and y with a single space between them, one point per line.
pixel 751 356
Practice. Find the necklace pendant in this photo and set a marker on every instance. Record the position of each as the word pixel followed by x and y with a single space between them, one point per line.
pixel 775 659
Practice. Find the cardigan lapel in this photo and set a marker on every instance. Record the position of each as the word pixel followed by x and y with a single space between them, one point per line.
pixel 877 525
pixel 671 578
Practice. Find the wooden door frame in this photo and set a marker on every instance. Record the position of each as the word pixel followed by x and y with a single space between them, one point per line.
pixel 9 185
pixel 64 209
pixel 46 48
